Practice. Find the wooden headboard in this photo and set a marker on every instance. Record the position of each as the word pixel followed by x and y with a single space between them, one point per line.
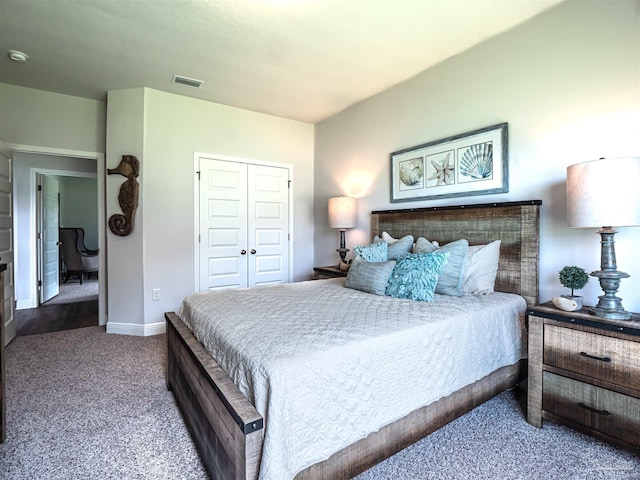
pixel 516 224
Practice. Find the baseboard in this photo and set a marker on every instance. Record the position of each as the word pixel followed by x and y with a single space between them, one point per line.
pixel 9 331
pixel 136 329
pixel 25 303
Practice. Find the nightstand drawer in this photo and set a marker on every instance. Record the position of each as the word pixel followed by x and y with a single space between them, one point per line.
pixel 611 413
pixel 610 359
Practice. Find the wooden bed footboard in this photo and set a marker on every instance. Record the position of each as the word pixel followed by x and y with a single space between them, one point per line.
pixel 226 428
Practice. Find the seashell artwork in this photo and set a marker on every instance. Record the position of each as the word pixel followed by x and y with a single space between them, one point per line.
pixel 412 171
pixel 477 161
pixel 443 170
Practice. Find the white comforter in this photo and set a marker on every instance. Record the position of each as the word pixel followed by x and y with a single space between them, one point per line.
pixel 326 365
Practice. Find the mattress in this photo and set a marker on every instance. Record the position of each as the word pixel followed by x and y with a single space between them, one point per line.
pixel 326 365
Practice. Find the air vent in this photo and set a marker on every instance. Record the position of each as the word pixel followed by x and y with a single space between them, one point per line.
pixel 189 82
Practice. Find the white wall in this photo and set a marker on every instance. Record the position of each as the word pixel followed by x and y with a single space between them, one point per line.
pixel 37 118
pixel 568 83
pixel 125 136
pixel 174 127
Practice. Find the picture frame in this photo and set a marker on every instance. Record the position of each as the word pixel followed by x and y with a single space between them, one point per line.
pixel 471 163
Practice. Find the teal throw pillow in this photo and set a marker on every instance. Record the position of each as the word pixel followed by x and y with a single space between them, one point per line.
pixel 415 276
pixel 376 252
pixel 398 248
pixel 370 277
pixel 452 276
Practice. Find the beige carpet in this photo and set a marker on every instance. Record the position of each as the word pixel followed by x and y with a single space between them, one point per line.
pixel 72 292
pixel 86 405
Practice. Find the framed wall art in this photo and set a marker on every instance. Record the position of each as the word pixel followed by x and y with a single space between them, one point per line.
pixel 472 163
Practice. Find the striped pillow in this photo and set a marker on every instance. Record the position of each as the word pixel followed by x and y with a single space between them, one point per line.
pixel 370 277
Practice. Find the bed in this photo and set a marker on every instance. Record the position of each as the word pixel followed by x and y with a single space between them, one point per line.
pixel 226 426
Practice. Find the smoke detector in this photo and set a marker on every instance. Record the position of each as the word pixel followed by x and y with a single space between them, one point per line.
pixel 186 81
pixel 18 56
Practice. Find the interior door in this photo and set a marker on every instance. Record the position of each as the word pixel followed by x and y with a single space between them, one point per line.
pixel 268 225
pixel 223 224
pixel 48 241
pixel 6 240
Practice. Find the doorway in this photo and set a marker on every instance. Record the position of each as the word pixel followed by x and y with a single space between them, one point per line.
pixel 37 216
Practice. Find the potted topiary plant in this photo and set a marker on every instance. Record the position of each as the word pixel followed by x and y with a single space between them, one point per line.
pixel 573 278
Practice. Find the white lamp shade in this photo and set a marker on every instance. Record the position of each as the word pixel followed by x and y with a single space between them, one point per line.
pixel 342 212
pixel 604 193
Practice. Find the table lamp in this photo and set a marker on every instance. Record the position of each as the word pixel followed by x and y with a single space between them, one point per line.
pixel 603 194
pixel 342 215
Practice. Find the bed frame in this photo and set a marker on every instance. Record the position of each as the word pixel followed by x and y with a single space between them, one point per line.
pixel 228 430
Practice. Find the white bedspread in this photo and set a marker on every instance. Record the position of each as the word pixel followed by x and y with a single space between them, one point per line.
pixel 326 365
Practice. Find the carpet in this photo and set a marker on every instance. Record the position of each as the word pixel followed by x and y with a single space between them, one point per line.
pixel 73 292
pixel 83 404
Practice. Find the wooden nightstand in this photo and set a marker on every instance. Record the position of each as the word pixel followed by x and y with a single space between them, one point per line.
pixel 584 372
pixel 331 271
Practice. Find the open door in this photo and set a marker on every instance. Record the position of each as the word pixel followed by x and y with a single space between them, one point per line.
pixel 6 240
pixel 48 223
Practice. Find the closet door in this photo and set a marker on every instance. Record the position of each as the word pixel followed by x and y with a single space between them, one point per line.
pixel 268 225
pixel 244 224
pixel 223 224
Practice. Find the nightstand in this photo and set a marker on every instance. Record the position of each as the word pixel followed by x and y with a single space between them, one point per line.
pixel 584 372
pixel 331 271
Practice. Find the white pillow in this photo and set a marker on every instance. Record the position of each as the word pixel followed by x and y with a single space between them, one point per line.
pixel 424 245
pixel 481 268
pixel 385 237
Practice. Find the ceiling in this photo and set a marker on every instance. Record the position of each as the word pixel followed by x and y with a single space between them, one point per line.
pixel 300 59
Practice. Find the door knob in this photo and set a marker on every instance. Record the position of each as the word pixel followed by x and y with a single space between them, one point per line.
pixel 253 251
pixel 243 252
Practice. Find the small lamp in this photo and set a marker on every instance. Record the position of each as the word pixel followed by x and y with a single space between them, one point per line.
pixel 603 194
pixel 342 215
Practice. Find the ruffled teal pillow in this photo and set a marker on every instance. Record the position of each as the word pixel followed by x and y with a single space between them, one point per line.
pixel 376 252
pixel 415 276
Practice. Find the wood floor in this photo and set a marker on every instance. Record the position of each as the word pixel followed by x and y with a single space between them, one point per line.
pixel 55 318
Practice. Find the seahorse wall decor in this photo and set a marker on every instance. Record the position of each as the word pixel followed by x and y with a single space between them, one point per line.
pixel 122 224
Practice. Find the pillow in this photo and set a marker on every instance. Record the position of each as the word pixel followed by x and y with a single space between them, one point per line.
pixel 370 277
pixel 415 276
pixel 481 268
pixel 385 238
pixel 376 252
pixel 423 245
pixel 450 280
pixel 399 247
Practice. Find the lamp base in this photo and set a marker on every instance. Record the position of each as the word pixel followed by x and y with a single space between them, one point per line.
pixel 609 306
pixel 342 251
pixel 610 314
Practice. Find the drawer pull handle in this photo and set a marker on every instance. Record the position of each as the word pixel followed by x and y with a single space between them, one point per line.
pixel 602 359
pixel 595 410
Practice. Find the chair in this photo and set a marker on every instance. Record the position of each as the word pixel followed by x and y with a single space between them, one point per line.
pixel 81 246
pixel 75 261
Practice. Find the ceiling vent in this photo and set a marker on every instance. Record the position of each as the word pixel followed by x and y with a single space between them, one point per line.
pixel 189 82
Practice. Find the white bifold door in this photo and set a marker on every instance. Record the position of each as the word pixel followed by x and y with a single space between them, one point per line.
pixel 243 224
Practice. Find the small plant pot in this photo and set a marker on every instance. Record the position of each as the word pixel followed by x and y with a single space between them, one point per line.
pixel 575 298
